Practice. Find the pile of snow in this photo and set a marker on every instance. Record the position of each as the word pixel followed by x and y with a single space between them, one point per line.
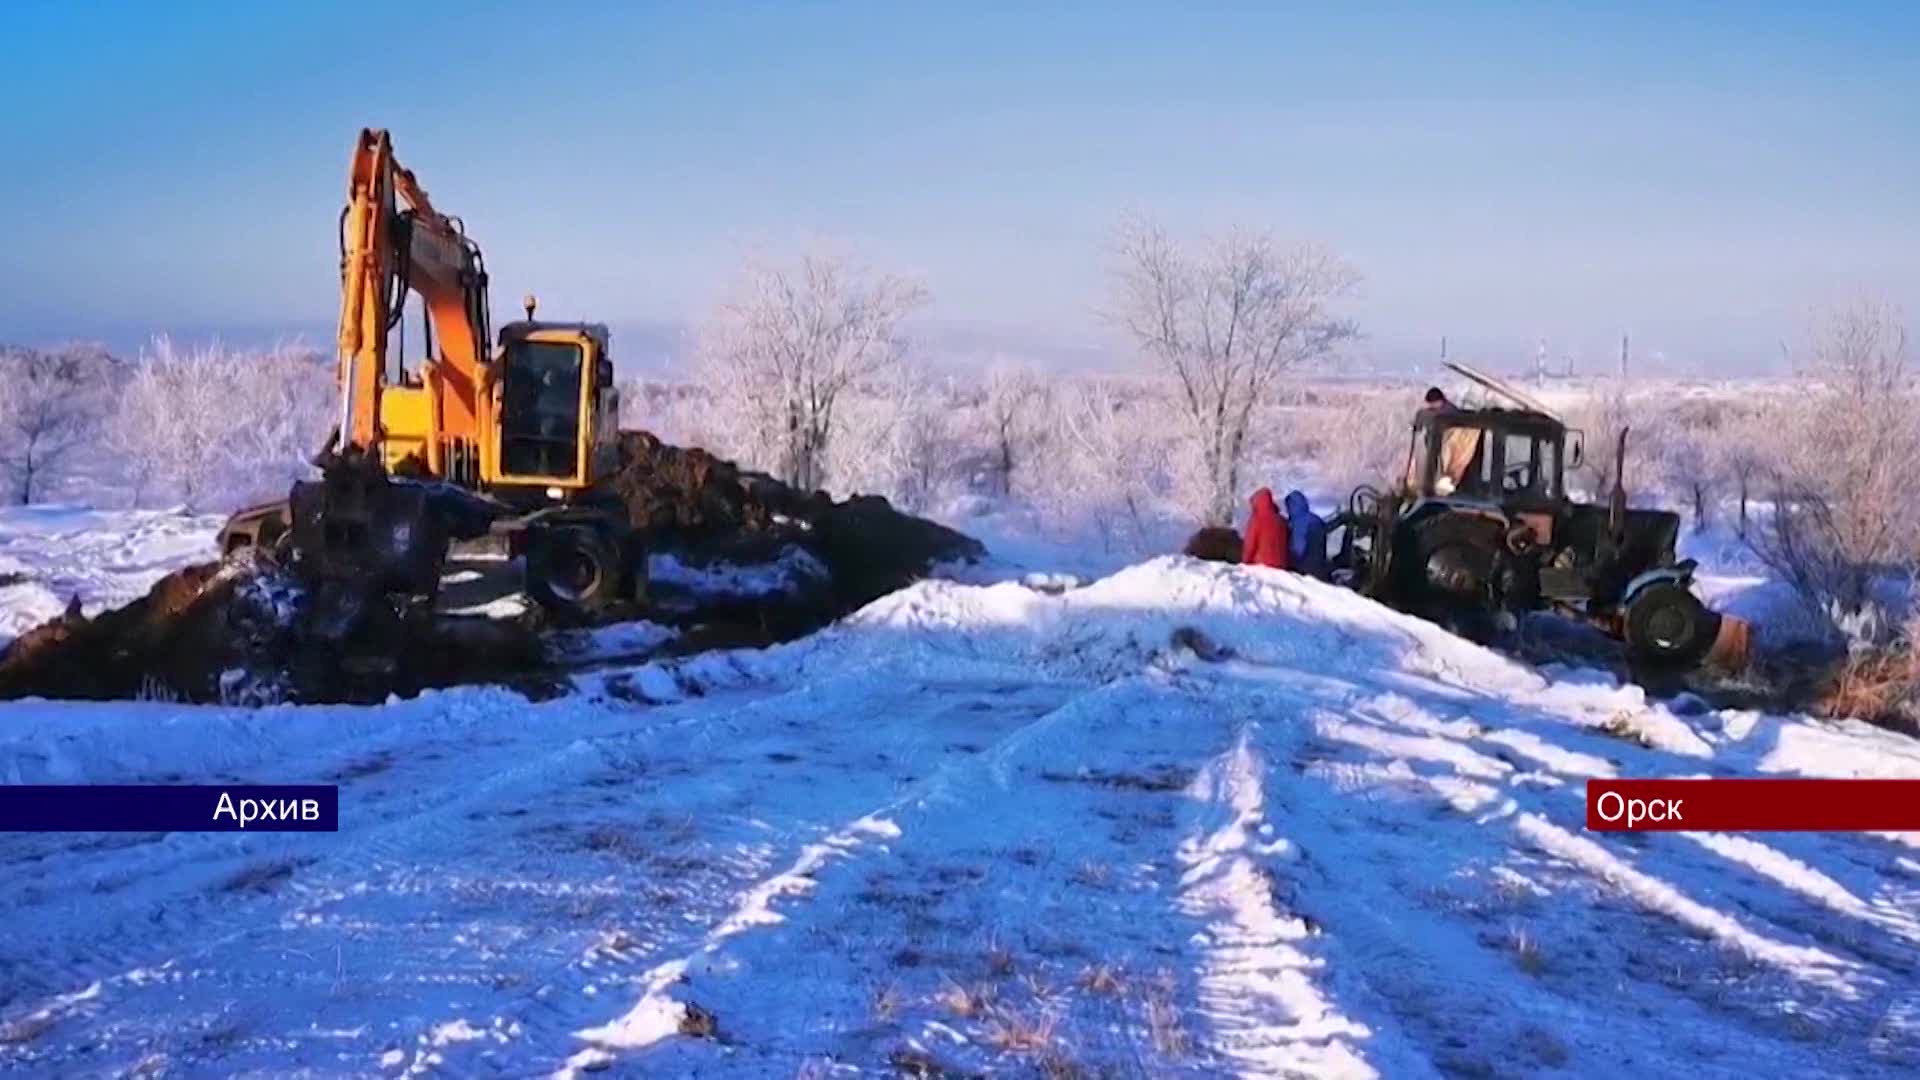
pixel 1124 622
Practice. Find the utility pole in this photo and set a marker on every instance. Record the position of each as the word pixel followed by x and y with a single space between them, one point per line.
pixel 1443 347
pixel 1623 356
pixel 1540 363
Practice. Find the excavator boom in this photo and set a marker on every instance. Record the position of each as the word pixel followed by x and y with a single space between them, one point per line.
pixel 393 243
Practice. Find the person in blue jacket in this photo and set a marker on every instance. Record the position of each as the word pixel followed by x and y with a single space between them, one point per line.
pixel 1306 538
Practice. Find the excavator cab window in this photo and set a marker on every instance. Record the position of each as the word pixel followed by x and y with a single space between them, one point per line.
pixel 540 409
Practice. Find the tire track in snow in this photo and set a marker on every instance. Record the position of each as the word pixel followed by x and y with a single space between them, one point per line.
pixel 1392 844
pixel 658 1014
pixel 1256 981
pixel 418 923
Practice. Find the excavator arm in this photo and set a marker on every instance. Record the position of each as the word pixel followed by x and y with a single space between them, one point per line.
pixel 393 242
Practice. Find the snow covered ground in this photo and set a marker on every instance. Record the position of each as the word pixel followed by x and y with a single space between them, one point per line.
pixel 51 554
pixel 1187 820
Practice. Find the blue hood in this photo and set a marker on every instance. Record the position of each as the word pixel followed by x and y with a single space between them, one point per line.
pixel 1297 505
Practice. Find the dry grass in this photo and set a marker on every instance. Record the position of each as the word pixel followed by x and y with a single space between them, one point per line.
pixel 1022 1033
pixel 1093 875
pixel 609 840
pixel 1056 1066
pixel 912 1062
pixel 27 1028
pixel 1625 725
pixel 1101 979
pixel 966 1002
pixel 1164 1024
pixel 1169 1035
pixel 1879 686
pixel 1527 952
pixel 699 1023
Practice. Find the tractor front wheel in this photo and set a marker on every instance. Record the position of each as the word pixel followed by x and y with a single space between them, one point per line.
pixel 1667 625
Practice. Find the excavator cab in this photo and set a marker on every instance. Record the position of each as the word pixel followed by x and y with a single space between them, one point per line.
pixel 557 408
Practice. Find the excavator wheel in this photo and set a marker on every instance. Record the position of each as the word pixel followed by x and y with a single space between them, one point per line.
pixel 576 570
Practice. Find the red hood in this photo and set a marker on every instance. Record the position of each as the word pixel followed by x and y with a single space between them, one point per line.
pixel 1263 501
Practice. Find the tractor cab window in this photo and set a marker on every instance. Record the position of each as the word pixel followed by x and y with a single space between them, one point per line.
pixel 1530 466
pixel 540 409
pixel 1463 462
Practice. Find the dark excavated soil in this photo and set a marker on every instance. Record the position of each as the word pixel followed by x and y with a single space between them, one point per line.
pixel 1215 544
pixel 241 632
pixel 250 631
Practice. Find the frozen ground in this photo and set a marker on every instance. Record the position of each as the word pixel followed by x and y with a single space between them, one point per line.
pixel 1186 820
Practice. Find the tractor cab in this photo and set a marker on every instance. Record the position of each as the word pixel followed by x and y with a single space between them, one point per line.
pixel 1504 456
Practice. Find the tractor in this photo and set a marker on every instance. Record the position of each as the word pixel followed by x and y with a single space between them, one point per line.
pixel 1482 530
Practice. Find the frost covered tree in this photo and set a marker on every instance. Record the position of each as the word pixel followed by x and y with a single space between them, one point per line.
pixel 1226 324
pixel 1682 453
pixel 51 405
pixel 896 439
pixel 1602 417
pixel 218 425
pixel 1107 474
pixel 784 351
pixel 1016 406
pixel 1362 438
pixel 1844 513
pixel 175 416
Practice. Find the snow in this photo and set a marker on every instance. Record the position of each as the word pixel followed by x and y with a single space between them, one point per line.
pixel 1182 819
pixel 104 557
pixel 793 570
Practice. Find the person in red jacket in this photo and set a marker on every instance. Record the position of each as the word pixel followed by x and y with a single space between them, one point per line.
pixel 1266 542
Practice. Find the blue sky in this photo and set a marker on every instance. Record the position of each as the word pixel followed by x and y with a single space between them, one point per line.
pixel 1697 175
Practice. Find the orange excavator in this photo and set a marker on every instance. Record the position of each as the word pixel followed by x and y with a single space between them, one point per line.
pixel 514 435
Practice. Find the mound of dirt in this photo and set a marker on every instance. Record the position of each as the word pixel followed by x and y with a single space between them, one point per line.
pixel 178 636
pixel 672 491
pixel 691 501
pixel 246 632
pixel 249 631
pixel 1215 544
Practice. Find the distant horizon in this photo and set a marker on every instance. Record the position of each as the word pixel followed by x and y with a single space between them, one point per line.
pixel 663 349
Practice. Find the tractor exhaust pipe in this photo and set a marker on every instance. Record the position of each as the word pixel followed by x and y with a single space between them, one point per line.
pixel 1617 502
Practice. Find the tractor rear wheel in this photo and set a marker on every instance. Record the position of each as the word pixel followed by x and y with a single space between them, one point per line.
pixel 1668 626
pixel 1443 568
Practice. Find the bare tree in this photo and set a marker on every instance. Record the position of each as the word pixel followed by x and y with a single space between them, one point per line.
pixel 1602 417
pixel 1681 445
pixel 1227 324
pixel 1843 513
pixel 1017 402
pixel 896 440
pixel 51 404
pixel 791 342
